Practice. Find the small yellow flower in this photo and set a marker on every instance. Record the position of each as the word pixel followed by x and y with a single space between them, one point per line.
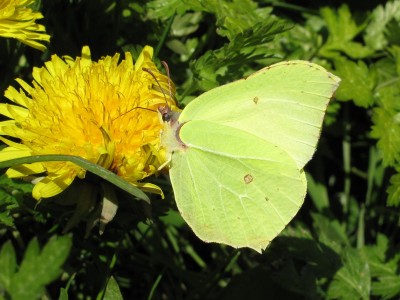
pixel 105 112
pixel 18 21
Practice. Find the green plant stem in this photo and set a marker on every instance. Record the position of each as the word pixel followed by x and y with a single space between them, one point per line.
pixel 292 7
pixel 346 149
pixel 361 228
pixel 373 161
pixel 154 286
pixel 164 35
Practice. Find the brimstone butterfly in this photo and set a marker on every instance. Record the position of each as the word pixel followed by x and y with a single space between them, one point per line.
pixel 238 152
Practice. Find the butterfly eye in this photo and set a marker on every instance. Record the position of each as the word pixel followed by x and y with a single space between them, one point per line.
pixel 166 117
pixel 166 113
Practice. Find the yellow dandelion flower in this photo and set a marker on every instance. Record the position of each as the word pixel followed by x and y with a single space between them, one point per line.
pixel 105 112
pixel 17 21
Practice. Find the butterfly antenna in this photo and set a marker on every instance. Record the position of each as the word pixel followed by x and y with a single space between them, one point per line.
pixel 165 111
pixel 158 83
pixel 164 63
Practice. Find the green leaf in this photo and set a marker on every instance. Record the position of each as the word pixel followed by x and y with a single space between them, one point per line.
pixel 301 42
pixel 173 218
pixel 31 253
pixel 186 24
pixel 395 57
pixel 388 287
pixel 14 186
pixel 353 280
pixel 303 262
pixel 386 116
pixel 53 256
pixel 8 265
pixel 394 190
pixel 63 294
pixel 318 193
pixel 340 24
pixel 378 31
pixel 166 8
pixel 112 291
pixel 11 195
pixel 342 30
pixel 386 128
pixel 39 268
pixel 184 49
pixel 358 82
pixel 385 270
pixel 229 62
pixel 376 256
pixel 234 17
pixel 330 232
pixel 85 164
pixel 5 218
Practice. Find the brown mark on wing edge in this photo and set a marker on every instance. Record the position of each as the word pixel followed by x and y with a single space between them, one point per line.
pixel 248 178
pixel 255 100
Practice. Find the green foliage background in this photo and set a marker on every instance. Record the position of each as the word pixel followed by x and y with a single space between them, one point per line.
pixel 344 242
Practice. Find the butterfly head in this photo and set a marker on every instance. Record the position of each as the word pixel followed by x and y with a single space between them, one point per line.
pixel 167 115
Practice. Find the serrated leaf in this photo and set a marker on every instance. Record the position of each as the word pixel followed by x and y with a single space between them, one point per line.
pixel 387 287
pixel 6 219
pixel 247 27
pixel 112 291
pixel 165 8
pixel 31 254
pixel 340 23
pixel 301 42
pixel 52 257
pixel 378 29
pixel 387 69
pixel 386 128
pixel 186 24
pixel 303 283
pixel 387 284
pixel 303 261
pixel 8 265
pixel 39 268
pixel 330 232
pixel 395 53
pixel 234 17
pixel 358 82
pixel 11 194
pixel 376 256
pixel 15 186
pixel 225 64
pixel 185 50
pixel 342 30
pixel 353 280
pixel 394 191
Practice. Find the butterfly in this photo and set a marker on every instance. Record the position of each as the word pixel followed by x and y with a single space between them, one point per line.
pixel 238 151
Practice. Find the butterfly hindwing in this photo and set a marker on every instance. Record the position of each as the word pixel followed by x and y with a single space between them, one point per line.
pixel 241 192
